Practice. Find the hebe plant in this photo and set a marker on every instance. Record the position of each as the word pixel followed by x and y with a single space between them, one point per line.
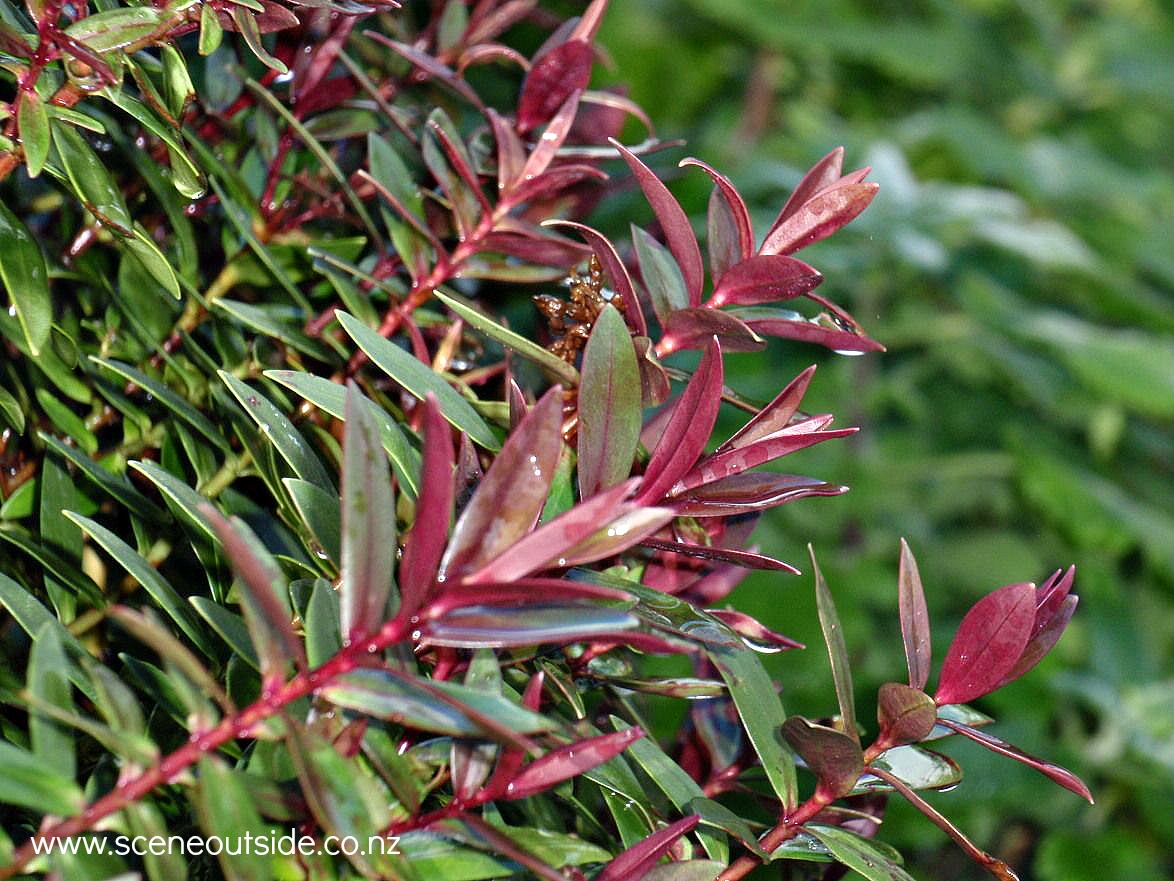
pixel 300 533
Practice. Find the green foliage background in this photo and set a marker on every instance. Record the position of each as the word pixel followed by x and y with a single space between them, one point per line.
pixel 1018 266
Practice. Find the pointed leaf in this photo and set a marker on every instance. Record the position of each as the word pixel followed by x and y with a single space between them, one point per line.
pixel 225 809
pixel 661 276
pixel 821 176
pixel 743 240
pixel 747 493
pixel 830 333
pixel 831 755
pixel 833 637
pixel 914 619
pixel 693 328
pixel 636 862
pixel 775 416
pixel 609 406
pixel 551 622
pixel 552 138
pixel 858 854
pixel 1053 772
pixel 767 278
pixel 33 124
pixel 819 217
pixel 749 559
pixel 322 514
pixel 551 80
pixel 425 543
pixel 26 278
pixel 988 645
pixel 569 761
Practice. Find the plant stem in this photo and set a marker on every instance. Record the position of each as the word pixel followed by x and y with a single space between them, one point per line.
pixel 788 827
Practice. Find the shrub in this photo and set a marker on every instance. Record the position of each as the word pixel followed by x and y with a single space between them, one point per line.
pixel 317 530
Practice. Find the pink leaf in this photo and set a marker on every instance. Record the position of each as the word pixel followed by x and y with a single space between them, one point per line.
pixel 553 137
pixel 688 429
pixel 425 543
pixel 767 278
pixel 678 232
pixel 989 643
pixel 914 619
pixel 746 493
pixel 511 495
pixel 570 761
pixel 639 859
pixel 775 416
pixel 553 182
pixel 1053 772
pixel 821 176
pixel 614 267
pixel 630 527
pixel 754 630
pixel 847 338
pixel 693 328
pixel 1044 639
pixel 819 217
pixel 733 199
pixel 747 559
pixel 552 79
pixel 511 152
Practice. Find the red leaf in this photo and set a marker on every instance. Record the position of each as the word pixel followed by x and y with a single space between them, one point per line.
pixel 746 493
pixel 552 79
pixel 678 232
pixel 831 755
pixel 511 152
pixel 553 182
pixel 1043 640
pixel 614 267
pixel 503 626
pixel 570 761
pixel 533 247
pixel 639 859
pixel 693 328
pixel 747 559
pixel 821 176
pixel 914 619
pixel 519 592
pixel 425 543
pixel 630 527
pixel 511 495
pixel 553 137
pixel 767 278
pixel 989 643
pixel 1053 772
pixel 775 416
pixel 733 199
pixel 848 339
pixel 688 429
pixel 819 217
pixel 753 629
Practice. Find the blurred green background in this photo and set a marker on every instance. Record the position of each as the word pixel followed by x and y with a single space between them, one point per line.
pixel 1018 264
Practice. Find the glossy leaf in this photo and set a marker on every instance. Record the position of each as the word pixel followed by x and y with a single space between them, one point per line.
pixel 914 766
pixel 831 755
pixel 551 80
pixel 988 644
pixel 552 621
pixel 833 637
pixel 831 333
pixel 905 714
pixel 747 493
pixel 33 124
pixel 26 278
pixel 426 542
pixel 569 761
pixel 858 854
pixel 609 406
pixel 614 267
pixel 321 512
pixel 742 242
pixel 765 279
pixel 552 138
pixel 819 217
pixel 636 862
pixel 914 619
pixel 820 176
pixel 661 276
pixel 694 327
pixel 749 559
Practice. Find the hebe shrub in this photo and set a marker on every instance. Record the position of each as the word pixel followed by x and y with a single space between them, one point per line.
pixel 313 525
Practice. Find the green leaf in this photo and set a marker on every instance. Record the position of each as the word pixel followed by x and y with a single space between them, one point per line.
pixel 609 405
pixel 25 781
pixel 88 175
pixel 26 278
pixel 323 635
pixel 116 485
pixel 331 397
pixel 290 444
pixel 559 369
pixel 33 124
pixel 185 175
pixel 661 274
pixel 833 636
pixel 12 412
pixel 55 563
pixel 419 379
pixel 686 870
pixel 224 805
pixel 177 83
pixel 389 170
pixel 144 820
pixel 211 31
pixel 180 497
pixel 246 25
pixel 116 28
pixel 154 583
pixel 322 514
pixel 368 524
pixel 268 322
pixel 48 678
pixel 230 627
pixel 859 854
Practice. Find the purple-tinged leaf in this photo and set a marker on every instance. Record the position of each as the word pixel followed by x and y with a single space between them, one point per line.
pixel 738 213
pixel 551 80
pixel 750 492
pixel 442 128
pixel 510 497
pixel 661 275
pixel 609 405
pixel 637 861
pixel 831 755
pixel 721 236
pixel 502 17
pixel 471 828
pixel 914 619
pixel 532 246
pixel 552 183
pixel 754 633
pixel 471 762
pixel 569 761
pixel 511 758
pixel 693 328
pixel 1043 640
pixel 989 643
pixel 268 614
pixel 1053 772
pixel 588 24
pixel 521 592
pixel 730 462
pixel 505 626
pixel 833 637
pixel 655 386
pixel 516 401
pixel 552 138
pixel 775 416
pixel 766 278
pixel 543 547
pixel 678 232
pixel 825 330
pixel 633 525
pixel 821 176
pixel 906 714
pixel 431 66
pixel 511 152
pixel 747 559
pixel 614 267
pixel 688 428
pixel 429 534
pixel 1051 595
pixel 368 523
pixel 819 217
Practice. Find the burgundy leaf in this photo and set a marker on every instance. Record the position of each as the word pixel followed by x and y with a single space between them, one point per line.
pixel 989 643
pixel 906 715
pixel 747 559
pixel 431 66
pixel 775 416
pixel 634 524
pixel 614 267
pixel 1043 640
pixel 517 403
pixel 552 138
pixel 1051 595
pixel 795 327
pixel 693 328
pixel 655 386
pixel 550 622
pixel 570 761
pixel 485 53
pixel 746 493
pixel 511 759
pixel 729 462
pixel 819 217
pixel 274 18
pixel 1053 772
pixel 543 547
pixel 552 183
pixel 753 632
pixel 821 176
pixel 738 212
pixel 552 79
pixel 521 591
pixel 639 859
pixel 914 619
pixel 678 232
pixel 831 755
pixel 766 278
pixel 721 236
pixel 511 495
pixel 587 26
pixel 688 428
pixel 310 68
pixel 511 152
pixel 503 17
pixel 425 542
pixel 534 247
pixel 609 405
